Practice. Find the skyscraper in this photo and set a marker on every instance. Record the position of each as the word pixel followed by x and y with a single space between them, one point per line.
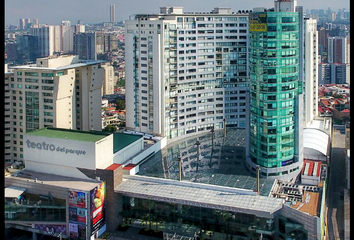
pixel 276 91
pixel 186 73
pixel 112 13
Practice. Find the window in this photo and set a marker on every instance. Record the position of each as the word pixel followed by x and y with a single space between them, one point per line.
pixel 35 74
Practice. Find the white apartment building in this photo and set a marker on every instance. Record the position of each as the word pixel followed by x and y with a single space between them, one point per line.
pixel 186 72
pixel 311 70
pixel 62 92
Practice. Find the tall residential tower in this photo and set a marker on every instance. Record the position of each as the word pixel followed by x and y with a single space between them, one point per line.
pixel 62 92
pixel 186 73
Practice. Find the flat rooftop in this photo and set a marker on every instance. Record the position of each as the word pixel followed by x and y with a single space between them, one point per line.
pixel 221 161
pixel 311 207
pixel 121 140
pixel 197 194
pixel 87 136
pixel 53 180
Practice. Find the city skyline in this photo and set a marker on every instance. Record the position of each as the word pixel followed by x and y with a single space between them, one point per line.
pixel 43 10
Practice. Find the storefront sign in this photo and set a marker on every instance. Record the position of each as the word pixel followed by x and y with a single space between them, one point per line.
pixel 52 147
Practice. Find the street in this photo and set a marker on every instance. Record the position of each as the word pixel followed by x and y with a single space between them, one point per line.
pixel 337 183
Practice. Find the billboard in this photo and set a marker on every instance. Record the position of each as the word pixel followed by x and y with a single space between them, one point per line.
pixel 97 207
pixel 77 199
pixel 258 22
pixel 77 207
pixel 78 215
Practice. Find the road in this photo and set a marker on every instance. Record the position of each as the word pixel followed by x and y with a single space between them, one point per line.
pixel 337 183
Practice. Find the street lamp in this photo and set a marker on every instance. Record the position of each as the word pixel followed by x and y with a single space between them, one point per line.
pixel 212 137
pixel 198 144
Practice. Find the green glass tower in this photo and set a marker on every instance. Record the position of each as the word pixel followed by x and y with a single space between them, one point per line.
pixel 275 91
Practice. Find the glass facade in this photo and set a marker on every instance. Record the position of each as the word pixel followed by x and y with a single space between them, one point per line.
pixel 33 207
pixel 274 77
pixel 186 220
pixel 32 111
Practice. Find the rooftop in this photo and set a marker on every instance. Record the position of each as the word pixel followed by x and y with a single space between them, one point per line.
pixel 54 180
pixel 87 136
pixel 197 194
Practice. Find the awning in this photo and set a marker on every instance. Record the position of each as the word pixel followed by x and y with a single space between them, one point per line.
pixel 13 192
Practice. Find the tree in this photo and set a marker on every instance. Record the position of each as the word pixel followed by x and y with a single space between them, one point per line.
pixel 109 128
pixel 120 104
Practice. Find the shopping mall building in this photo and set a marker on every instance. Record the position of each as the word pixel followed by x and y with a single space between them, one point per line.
pixel 79 185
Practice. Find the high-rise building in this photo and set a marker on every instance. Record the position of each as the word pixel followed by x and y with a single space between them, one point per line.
pixel 186 73
pixel 112 13
pixel 340 73
pixel 67 37
pixel 63 92
pixel 276 101
pixel 338 50
pixel 85 45
pixel 45 34
pixel 27 48
pixel 324 73
pixel 311 70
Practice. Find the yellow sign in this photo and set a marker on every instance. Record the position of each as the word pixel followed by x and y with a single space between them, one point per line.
pixel 258 27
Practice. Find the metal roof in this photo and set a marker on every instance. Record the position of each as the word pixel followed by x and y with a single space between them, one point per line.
pixel 13 192
pixel 317 140
pixel 201 195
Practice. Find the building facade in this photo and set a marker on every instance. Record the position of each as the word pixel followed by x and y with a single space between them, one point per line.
pixel 186 72
pixel 276 91
pixel 62 92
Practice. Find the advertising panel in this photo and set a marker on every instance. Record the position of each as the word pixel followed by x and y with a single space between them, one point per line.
pixel 97 198
pixel 73 230
pixel 258 22
pixel 77 215
pixel 77 199
pixel 77 207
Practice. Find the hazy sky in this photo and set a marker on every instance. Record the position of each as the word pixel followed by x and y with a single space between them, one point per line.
pixel 97 11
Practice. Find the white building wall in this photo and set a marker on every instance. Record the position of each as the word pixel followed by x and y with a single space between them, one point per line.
pixel 64 104
pixel 59 160
pixel 129 151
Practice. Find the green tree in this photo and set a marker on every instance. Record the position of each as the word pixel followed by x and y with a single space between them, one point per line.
pixel 120 104
pixel 109 128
